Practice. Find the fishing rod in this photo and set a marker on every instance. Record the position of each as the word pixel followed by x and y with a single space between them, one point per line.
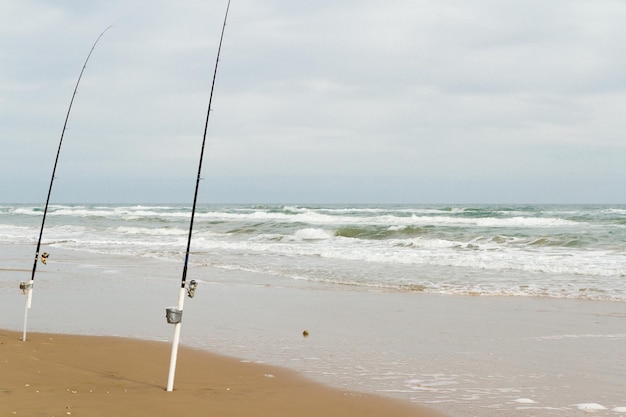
pixel 174 315
pixel 27 287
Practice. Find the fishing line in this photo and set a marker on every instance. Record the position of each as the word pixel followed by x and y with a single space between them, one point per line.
pixel 28 287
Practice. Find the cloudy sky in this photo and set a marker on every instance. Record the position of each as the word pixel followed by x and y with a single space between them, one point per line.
pixel 368 101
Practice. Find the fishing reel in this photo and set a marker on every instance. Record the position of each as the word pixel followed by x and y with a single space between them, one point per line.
pixel 191 288
pixel 174 315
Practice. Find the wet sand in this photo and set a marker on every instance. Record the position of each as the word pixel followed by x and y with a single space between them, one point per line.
pixel 87 376
pixel 465 356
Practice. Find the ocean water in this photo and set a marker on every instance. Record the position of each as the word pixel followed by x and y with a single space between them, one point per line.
pixel 562 251
pixel 474 310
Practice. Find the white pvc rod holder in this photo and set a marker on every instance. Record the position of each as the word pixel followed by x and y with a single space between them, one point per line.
pixel 29 302
pixel 175 342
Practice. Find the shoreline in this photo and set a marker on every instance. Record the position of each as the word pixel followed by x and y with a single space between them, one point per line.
pixel 460 355
pixel 94 376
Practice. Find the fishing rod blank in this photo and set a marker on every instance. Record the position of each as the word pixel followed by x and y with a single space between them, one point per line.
pixel 27 287
pixel 174 315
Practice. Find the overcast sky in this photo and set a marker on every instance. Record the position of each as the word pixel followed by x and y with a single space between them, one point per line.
pixel 397 101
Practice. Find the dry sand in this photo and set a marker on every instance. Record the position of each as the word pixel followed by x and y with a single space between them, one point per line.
pixel 87 376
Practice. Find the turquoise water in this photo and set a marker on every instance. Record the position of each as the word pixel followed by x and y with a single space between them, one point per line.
pixel 564 251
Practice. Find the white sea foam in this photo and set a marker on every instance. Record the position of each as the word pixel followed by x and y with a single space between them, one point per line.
pixel 525 401
pixel 11 231
pixel 619 211
pixel 590 407
pixel 313 234
pixel 522 251
pixel 583 336
pixel 151 231
pixel 433 252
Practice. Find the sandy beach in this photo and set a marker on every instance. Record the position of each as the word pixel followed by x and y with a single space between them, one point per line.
pixel 61 375
pixel 461 356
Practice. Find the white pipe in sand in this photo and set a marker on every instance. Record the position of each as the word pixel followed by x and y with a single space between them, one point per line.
pixel 173 357
pixel 29 302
